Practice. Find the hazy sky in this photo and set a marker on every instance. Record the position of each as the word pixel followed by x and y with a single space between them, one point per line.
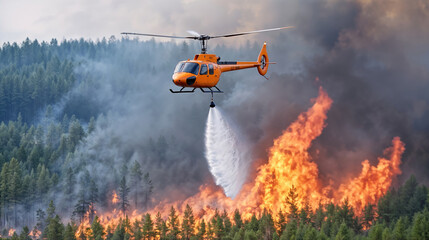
pixel 47 19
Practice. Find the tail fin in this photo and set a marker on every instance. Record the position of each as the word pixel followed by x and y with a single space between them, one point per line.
pixel 263 60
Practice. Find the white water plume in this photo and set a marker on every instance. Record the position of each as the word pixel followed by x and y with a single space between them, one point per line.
pixel 225 153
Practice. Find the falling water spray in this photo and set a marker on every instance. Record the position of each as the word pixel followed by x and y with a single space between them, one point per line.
pixel 225 152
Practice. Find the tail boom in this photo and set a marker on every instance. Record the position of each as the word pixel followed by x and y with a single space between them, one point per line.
pixel 261 64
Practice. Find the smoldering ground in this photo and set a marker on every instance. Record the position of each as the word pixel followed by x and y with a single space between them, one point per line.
pixel 370 56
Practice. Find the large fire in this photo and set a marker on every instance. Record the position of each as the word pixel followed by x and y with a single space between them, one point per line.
pixel 289 166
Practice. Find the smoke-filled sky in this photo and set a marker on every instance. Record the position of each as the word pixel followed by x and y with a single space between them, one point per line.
pixel 372 57
pixel 48 19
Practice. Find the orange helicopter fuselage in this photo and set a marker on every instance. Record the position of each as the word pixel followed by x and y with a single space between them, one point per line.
pixel 204 70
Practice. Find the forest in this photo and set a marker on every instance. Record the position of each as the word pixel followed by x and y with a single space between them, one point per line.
pixel 47 185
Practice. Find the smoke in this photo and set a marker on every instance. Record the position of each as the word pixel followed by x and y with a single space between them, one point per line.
pixel 225 153
pixel 370 56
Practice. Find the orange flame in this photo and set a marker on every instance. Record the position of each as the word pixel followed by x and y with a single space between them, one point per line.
pixel 35 234
pixel 11 232
pixel 289 164
pixel 115 198
pixel 373 181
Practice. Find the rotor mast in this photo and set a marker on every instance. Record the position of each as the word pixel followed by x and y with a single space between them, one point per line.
pixel 203 41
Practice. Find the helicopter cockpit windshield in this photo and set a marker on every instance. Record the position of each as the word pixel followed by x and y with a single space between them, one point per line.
pixel 179 67
pixel 189 67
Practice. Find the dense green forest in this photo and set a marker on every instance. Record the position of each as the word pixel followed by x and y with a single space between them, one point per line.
pixel 34 75
pixel 43 189
pixel 37 143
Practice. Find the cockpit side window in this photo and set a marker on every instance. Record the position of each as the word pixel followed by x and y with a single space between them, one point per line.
pixel 179 67
pixel 211 70
pixel 203 69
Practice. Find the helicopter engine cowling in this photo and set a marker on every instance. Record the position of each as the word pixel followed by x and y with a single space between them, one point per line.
pixel 263 60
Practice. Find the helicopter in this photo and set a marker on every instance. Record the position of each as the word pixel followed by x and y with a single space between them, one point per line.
pixel 204 70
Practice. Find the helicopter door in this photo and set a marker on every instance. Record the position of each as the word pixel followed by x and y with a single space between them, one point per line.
pixel 203 70
pixel 211 70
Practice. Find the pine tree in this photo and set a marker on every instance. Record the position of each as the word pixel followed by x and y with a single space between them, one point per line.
pixel 55 229
pixel 201 230
pixel 97 229
pixel 15 186
pixel 368 216
pixel 310 233
pixel 119 233
pixel 4 190
pixel 399 232
pixel 93 199
pixel 250 235
pixel 254 224
pixel 164 231
pixel 41 221
pixel 292 202
pixel 136 178
pixel 148 231
pixel 173 224
pixel 420 229
pixel 305 213
pixel 69 184
pixel 237 219
pixel 343 232
pixel 137 230
pixel 76 133
pixel 281 222
pixel 25 234
pixel 43 180
pixel 124 190
pixel 376 232
pixel 319 217
pixel 69 233
pixel 290 231
pixel 148 189
pixel 158 224
pixel 226 222
pixel 266 225
pixel 188 223
pixel 81 206
pixel 384 208
pixel 219 228
pixel 387 234
pixel 127 227
pixel 50 212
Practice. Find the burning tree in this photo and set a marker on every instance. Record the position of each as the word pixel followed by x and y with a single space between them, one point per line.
pixel 87 198
pixel 124 190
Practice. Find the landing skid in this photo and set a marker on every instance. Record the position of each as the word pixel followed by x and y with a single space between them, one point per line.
pixel 204 90
pixel 182 91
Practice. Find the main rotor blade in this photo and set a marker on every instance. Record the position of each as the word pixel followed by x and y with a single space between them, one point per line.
pixel 156 35
pixel 251 32
pixel 193 33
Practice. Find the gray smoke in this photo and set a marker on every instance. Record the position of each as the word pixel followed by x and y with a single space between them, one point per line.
pixel 370 56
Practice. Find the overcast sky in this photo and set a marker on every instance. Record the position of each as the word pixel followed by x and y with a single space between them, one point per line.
pixel 66 19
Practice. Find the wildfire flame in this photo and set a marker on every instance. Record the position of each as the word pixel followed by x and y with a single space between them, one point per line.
pixel 373 181
pixel 289 164
pixel 35 234
pixel 11 232
pixel 115 198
